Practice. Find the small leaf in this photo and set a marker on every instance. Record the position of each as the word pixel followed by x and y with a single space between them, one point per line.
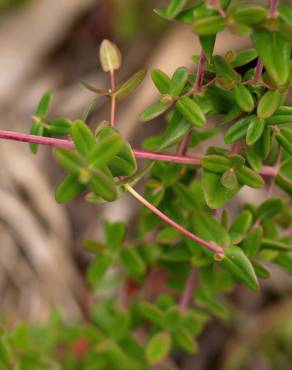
pixel 260 270
pixel 252 241
pixel 110 56
pixel 243 57
pixel 215 163
pixel 274 245
pixel 238 130
pixel 161 81
pixel 236 262
pixel 167 235
pixel 216 194
pixel 243 98
pixel 69 159
pixel 105 150
pixel 68 189
pixel 248 177
pixel 38 130
pixel 115 234
pixel 190 111
pixel 157 108
pixel 44 105
pixel 132 262
pixel 284 137
pixel 158 347
pixel 207 44
pixel 253 159
pixel 130 86
pixel 186 341
pixel 98 268
pixel 58 127
pixel 175 7
pixel 103 185
pixel 229 179
pixel 223 68
pixel 82 137
pixel 178 81
pixel 269 103
pixel 249 15
pixel 209 25
pixel 255 130
pixel 268 209
pixel 96 90
pixel 151 312
pixel 240 226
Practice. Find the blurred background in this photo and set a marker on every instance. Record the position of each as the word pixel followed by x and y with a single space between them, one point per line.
pixel 53 44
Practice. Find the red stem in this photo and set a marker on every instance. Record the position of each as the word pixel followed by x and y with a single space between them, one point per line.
pixel 139 153
pixel 273 13
pixel 211 245
pixel 113 99
pixel 188 291
pixel 258 71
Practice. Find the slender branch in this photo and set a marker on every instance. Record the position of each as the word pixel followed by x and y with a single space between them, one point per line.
pixel 235 148
pixel 273 12
pixel 113 99
pixel 139 153
pixel 211 245
pixel 183 147
pixel 258 72
pixel 188 291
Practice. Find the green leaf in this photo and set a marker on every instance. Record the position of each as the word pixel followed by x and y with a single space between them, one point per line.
pixel 243 57
pixel 236 262
pixel 58 127
pixel 284 137
pixel 161 81
pixel 263 145
pixel 274 52
pixel 151 312
pixel 229 179
pixel 223 68
pixel 190 111
pixel 212 304
pixel 156 109
pixel 38 130
pixel 110 56
pixel 248 177
pixel 274 245
pixel 249 15
pixel 243 98
pixel 44 105
pixel 158 347
pixel 175 7
pixel 98 268
pixel 70 160
pixel 238 130
pixel 132 262
pixel 215 163
pixel 130 86
pixel 216 194
pixel 253 159
pixel 177 128
pixel 105 150
pixel 268 209
pixel 207 44
pixel 186 340
pixel 178 81
pixel 82 137
pixel 114 234
pixel 68 189
pixel 269 103
pixel 103 185
pixel 172 318
pixel 240 226
pixel 209 25
pixel 252 241
pixel 167 235
pixel 255 130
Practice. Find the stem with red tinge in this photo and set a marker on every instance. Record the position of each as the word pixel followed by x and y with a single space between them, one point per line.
pixel 273 13
pixel 139 153
pixel 188 291
pixel 113 99
pixel 211 245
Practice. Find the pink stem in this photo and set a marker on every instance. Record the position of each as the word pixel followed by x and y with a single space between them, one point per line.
pixel 113 99
pixel 235 148
pixel 139 153
pixel 258 71
pixel 183 147
pixel 273 13
pixel 211 245
pixel 188 291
